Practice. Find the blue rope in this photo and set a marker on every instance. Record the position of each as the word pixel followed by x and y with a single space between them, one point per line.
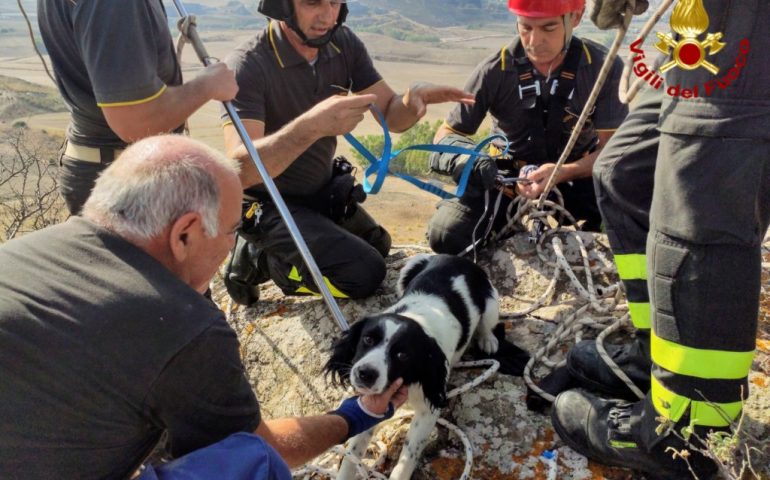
pixel 379 167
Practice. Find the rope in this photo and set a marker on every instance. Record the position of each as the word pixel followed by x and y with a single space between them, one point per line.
pixel 34 43
pixel 368 472
pixel 625 94
pixel 184 24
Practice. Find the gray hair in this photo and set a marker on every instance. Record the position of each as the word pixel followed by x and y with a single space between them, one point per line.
pixel 156 181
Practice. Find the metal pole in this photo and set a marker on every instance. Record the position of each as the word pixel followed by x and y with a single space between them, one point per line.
pixel 200 50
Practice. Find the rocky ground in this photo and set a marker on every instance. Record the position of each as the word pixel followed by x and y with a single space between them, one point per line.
pixel 286 341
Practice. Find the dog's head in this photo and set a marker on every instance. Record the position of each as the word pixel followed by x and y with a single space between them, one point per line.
pixel 381 348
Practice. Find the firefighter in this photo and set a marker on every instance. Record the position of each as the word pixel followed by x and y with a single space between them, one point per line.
pixel 535 89
pixel 709 213
pixel 293 78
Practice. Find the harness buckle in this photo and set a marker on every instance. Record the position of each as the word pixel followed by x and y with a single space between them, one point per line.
pixel 527 90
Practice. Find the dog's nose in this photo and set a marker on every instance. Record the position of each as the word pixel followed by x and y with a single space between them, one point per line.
pixel 366 376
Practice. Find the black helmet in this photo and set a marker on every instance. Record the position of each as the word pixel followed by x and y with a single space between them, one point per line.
pixel 283 10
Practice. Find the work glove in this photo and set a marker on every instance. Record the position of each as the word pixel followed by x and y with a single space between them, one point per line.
pixel 484 171
pixel 358 418
pixel 607 14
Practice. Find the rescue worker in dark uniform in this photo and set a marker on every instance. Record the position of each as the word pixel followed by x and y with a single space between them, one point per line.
pixel 623 178
pixel 535 88
pixel 293 78
pixel 117 70
pixel 710 211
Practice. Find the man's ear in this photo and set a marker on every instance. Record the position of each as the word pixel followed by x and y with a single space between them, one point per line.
pixel 183 234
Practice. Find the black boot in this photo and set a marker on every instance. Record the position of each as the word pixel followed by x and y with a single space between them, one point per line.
pixel 245 270
pixel 590 371
pixel 615 433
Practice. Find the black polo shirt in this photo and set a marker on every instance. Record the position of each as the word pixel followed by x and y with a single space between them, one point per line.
pixel 107 54
pixel 495 84
pixel 277 85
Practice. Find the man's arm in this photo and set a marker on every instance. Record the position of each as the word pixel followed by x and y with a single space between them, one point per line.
pixel 334 116
pixel 173 106
pixel 569 171
pixel 300 439
pixel 403 111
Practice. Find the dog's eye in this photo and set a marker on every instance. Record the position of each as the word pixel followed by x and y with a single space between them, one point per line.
pixel 368 340
pixel 402 356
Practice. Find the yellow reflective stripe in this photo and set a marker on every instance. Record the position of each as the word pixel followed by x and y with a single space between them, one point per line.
pixel 454 130
pixel 588 54
pixel 134 102
pixel 294 275
pixel 632 266
pixel 707 414
pixel 243 120
pixel 272 43
pixel 640 314
pixel 502 58
pixel 700 363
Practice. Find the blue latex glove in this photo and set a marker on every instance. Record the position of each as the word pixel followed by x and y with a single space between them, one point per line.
pixel 358 418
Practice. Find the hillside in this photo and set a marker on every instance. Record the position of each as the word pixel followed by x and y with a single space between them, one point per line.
pixel 19 98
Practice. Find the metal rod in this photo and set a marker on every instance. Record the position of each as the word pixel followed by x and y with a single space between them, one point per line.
pixel 200 50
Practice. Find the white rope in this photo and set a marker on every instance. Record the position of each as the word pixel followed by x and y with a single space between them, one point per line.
pixel 365 471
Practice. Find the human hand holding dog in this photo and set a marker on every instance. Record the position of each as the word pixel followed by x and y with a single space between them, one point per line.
pixel 396 394
pixel 364 412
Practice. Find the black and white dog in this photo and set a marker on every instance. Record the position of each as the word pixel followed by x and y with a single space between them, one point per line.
pixel 445 300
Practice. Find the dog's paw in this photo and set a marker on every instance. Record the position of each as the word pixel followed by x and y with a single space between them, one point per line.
pixel 488 343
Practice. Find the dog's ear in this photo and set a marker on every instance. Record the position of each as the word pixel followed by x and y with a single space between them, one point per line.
pixel 433 374
pixel 343 351
pixel 413 267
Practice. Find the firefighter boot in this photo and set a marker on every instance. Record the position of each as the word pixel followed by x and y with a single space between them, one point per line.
pixel 590 371
pixel 622 434
pixel 244 272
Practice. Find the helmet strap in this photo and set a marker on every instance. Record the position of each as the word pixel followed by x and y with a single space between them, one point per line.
pixel 312 42
pixel 567 30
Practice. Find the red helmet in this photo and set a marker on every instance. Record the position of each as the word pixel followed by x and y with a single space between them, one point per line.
pixel 545 8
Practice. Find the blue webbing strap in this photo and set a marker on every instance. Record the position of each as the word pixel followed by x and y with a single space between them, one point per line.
pixel 379 167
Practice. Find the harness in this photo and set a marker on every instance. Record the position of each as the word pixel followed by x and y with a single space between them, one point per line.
pixel 379 167
pixel 545 104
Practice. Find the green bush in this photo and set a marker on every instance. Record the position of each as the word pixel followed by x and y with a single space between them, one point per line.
pixel 412 162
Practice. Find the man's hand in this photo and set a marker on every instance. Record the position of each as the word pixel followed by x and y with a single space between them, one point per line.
pixel 539 179
pixel 484 173
pixel 608 14
pixel 338 115
pixel 219 82
pixel 420 95
pixel 396 394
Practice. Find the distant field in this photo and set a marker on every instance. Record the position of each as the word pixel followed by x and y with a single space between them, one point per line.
pixel 400 207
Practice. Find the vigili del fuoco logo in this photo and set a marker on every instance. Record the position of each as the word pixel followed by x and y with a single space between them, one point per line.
pixel 688 52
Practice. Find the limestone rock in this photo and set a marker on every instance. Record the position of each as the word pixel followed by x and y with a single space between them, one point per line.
pixel 286 341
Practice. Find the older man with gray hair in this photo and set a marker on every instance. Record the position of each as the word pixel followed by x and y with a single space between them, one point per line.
pixel 106 340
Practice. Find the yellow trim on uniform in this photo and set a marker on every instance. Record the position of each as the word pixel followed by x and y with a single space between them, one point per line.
pixel 294 275
pixel 606 129
pixel 134 102
pixel 243 120
pixel 700 363
pixel 272 43
pixel 640 315
pixel 708 414
pixel 335 47
pixel 458 132
pixel 631 266
pixel 588 54
pixel 502 57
